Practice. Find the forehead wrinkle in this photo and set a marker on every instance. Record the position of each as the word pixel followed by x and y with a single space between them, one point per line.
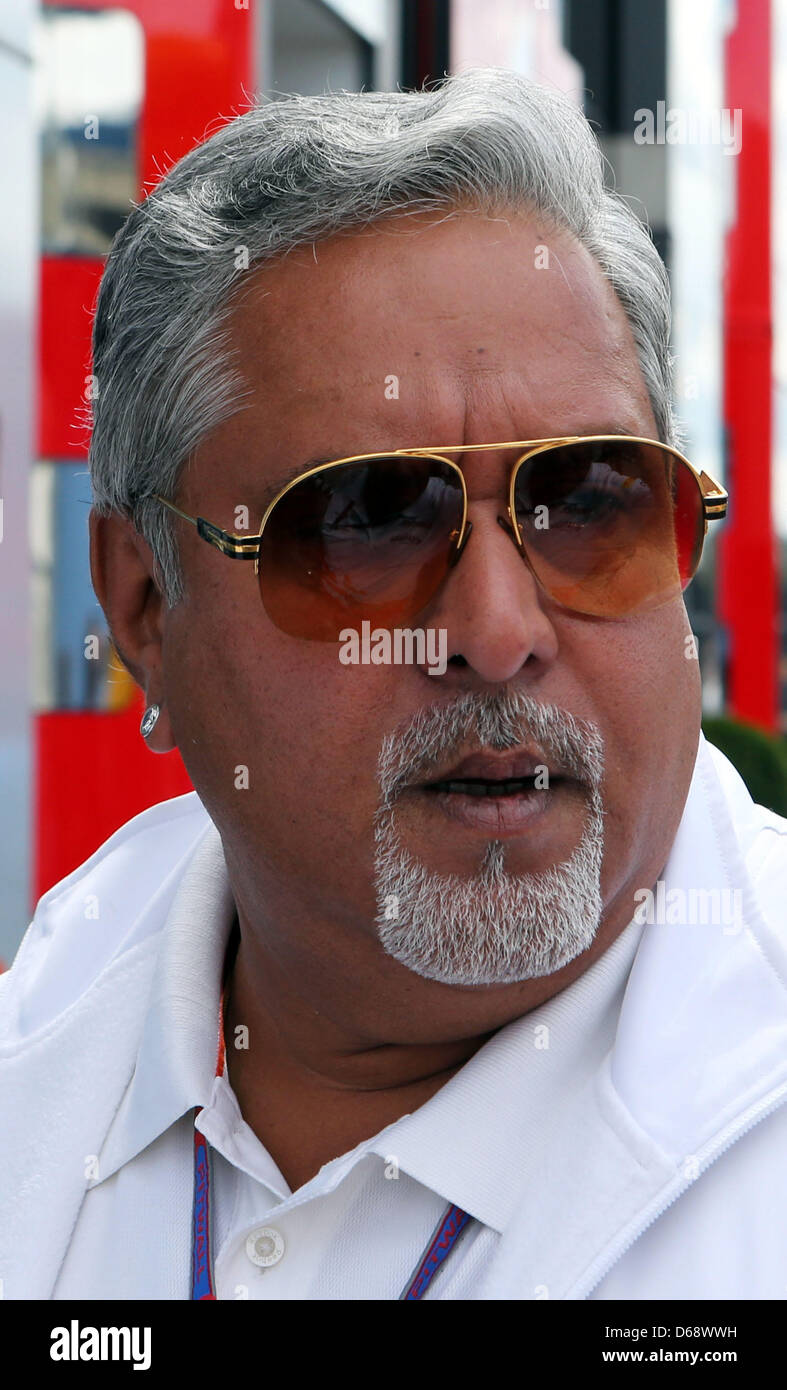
pixel 528 404
pixel 440 388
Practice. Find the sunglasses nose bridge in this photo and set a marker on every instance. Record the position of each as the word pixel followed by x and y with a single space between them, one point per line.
pixel 456 553
pixel 503 521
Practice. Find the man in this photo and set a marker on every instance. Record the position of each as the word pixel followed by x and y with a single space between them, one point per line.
pixel 500 938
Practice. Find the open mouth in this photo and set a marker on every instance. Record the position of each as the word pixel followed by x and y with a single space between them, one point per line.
pixel 501 794
pixel 509 786
pixel 498 792
pixel 494 774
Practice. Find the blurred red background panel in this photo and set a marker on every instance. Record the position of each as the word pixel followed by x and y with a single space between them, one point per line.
pixel 69 285
pixel 93 773
pixel 93 770
pixel 198 72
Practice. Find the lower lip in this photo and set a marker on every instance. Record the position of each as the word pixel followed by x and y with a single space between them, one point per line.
pixel 496 815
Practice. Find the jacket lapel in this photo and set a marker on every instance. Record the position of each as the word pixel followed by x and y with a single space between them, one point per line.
pixel 58 1099
pixel 110 1072
pixel 700 1055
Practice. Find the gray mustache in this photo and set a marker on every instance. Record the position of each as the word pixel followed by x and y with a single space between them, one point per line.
pixel 504 720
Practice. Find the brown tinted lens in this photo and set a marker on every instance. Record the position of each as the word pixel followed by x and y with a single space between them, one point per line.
pixel 610 526
pixel 365 540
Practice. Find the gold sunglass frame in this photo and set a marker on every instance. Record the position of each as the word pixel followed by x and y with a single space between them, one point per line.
pixel 247 547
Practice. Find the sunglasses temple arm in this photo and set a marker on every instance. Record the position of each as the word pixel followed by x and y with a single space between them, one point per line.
pixel 175 509
pixel 714 497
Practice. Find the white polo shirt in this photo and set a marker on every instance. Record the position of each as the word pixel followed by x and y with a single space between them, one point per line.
pixel 626 1139
pixel 359 1228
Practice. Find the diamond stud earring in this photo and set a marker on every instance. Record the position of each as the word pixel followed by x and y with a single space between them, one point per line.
pixel 149 719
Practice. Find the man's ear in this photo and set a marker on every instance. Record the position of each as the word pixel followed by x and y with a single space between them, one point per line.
pixel 123 574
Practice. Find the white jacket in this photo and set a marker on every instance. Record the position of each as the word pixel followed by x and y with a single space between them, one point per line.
pixel 671 1181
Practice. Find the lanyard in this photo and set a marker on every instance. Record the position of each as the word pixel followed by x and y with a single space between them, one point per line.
pixel 439 1246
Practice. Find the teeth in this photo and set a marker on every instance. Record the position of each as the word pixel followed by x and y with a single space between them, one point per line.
pixel 476 788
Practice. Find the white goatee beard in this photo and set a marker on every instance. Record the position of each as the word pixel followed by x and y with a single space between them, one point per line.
pixel 491 927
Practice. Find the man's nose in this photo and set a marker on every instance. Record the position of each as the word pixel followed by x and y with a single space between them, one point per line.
pixel 490 603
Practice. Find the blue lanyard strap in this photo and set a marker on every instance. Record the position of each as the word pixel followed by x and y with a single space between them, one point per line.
pixel 447 1232
pixel 201 1261
pixel 441 1242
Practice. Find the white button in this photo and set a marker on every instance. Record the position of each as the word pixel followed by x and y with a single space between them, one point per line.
pixel 265 1246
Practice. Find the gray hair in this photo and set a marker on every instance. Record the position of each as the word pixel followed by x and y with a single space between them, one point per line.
pixel 294 170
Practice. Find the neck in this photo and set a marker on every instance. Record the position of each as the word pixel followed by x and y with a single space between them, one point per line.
pixel 265 1018
pixel 329 1040
pixel 309 1088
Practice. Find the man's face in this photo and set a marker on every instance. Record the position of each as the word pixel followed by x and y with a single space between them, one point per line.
pixel 418 332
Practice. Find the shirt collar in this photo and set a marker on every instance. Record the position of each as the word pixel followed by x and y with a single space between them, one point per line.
pixel 474 1141
pixel 489 1127
pixel 176 1061
pixel 468 1142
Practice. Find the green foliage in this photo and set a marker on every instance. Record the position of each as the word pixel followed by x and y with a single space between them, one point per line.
pixel 760 758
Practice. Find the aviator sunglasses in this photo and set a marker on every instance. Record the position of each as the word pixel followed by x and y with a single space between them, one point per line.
pixel 608 525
